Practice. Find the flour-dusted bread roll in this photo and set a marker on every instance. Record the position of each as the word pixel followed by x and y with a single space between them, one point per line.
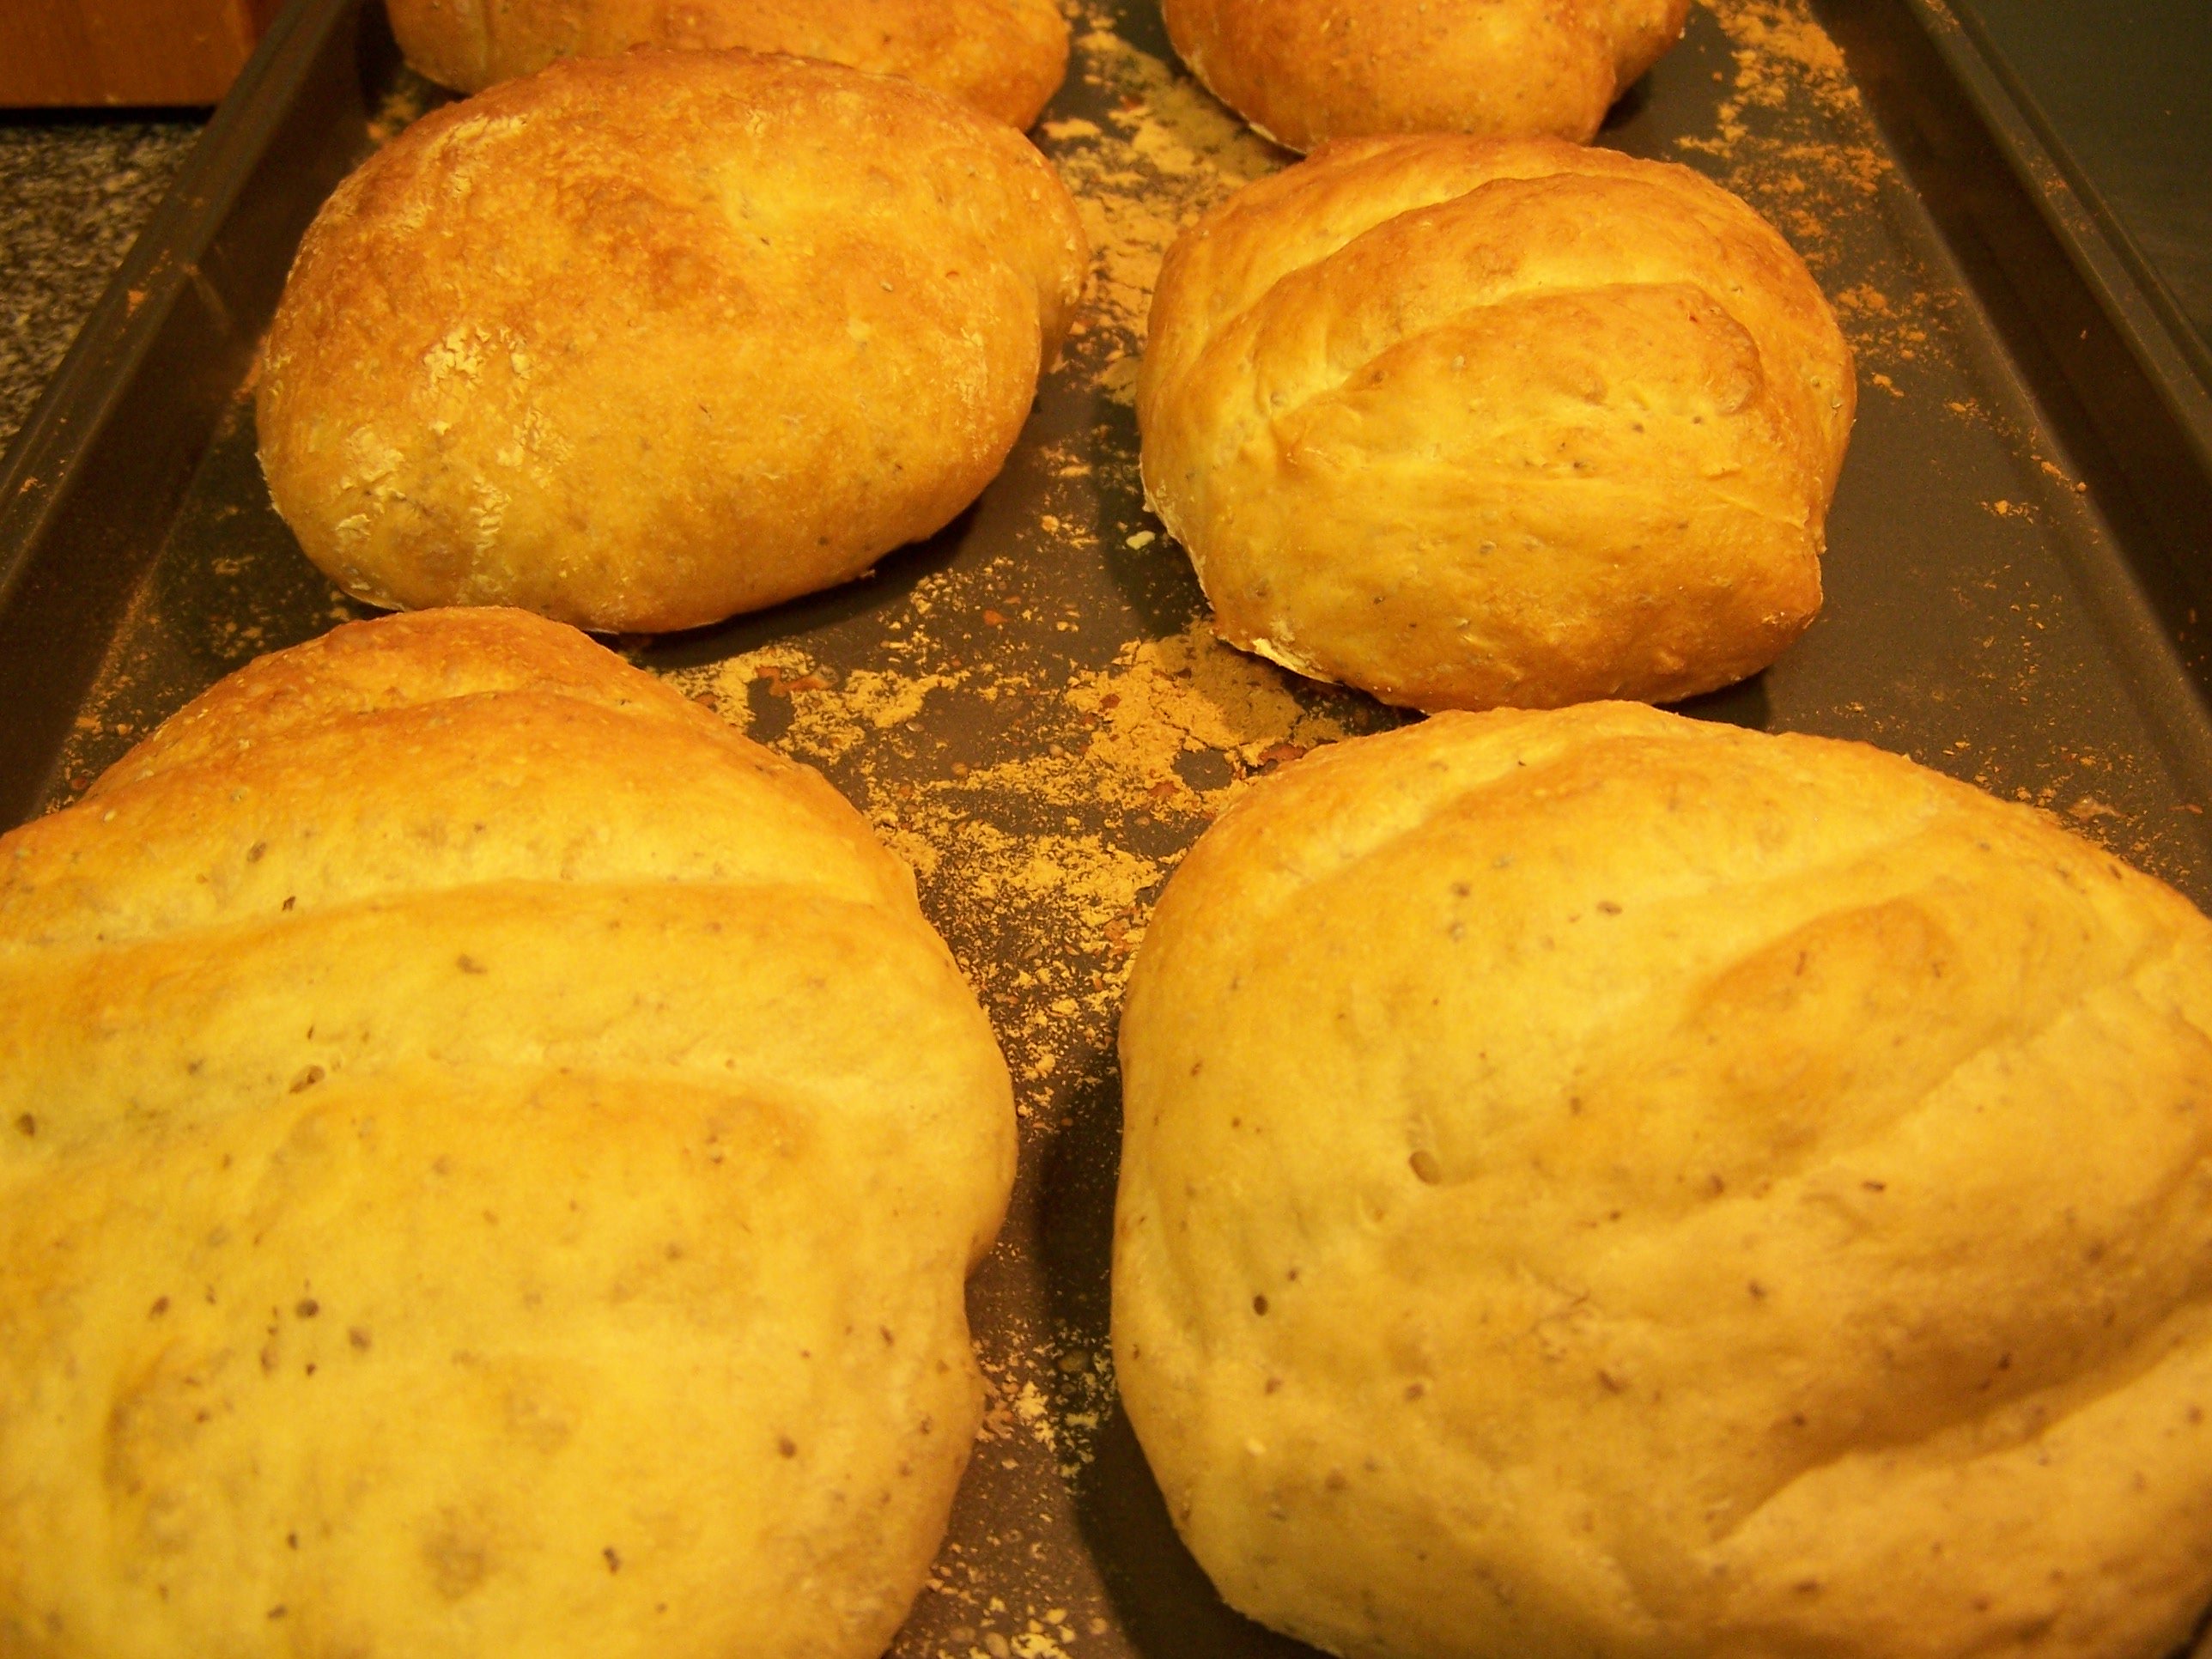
pixel 642 342
pixel 488 1161
pixel 1466 423
pixel 1600 1184
pixel 1005 58
pixel 1303 71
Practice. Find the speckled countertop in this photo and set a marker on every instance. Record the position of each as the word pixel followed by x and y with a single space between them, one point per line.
pixel 74 189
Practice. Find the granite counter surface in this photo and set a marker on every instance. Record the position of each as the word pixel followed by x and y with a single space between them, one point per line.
pixel 74 189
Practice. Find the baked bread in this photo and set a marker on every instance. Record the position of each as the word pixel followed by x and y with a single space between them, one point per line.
pixel 1598 1183
pixel 1004 57
pixel 642 342
pixel 1304 72
pixel 491 1159
pixel 1466 423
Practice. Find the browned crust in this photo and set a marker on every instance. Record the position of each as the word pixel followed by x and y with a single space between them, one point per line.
pixel 1305 71
pixel 1468 421
pixel 641 342
pixel 1599 1182
pixel 1004 57
pixel 549 1142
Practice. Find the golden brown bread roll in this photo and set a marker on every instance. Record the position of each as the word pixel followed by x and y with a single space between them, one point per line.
pixel 491 1162
pixel 1304 72
pixel 1597 1183
pixel 1466 424
pixel 639 342
pixel 1004 57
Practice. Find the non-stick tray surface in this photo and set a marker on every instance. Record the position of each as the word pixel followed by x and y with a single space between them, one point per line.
pixel 1030 707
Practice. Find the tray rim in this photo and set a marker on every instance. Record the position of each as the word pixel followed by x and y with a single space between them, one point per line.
pixel 2103 255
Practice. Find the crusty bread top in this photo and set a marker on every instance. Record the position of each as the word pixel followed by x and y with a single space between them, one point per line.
pixel 1597 1182
pixel 641 342
pixel 1004 57
pixel 306 780
pixel 490 1161
pixel 1305 71
pixel 1466 421
pixel 408 767
pixel 1298 281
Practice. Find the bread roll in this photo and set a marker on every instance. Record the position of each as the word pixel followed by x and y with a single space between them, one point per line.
pixel 491 1158
pixel 1597 1183
pixel 1466 423
pixel 640 342
pixel 1304 72
pixel 1004 57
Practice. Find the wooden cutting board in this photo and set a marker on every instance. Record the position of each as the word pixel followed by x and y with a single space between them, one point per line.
pixel 57 53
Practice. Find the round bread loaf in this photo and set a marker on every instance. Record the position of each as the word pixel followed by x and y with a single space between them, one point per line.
pixel 1466 424
pixel 1303 71
pixel 1004 57
pixel 642 342
pixel 490 1162
pixel 1597 1183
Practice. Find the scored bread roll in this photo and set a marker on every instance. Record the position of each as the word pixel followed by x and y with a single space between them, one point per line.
pixel 490 1162
pixel 1004 57
pixel 639 342
pixel 1598 1183
pixel 1305 71
pixel 1465 423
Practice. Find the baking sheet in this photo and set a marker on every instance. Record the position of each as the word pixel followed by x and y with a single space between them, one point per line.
pixel 1030 707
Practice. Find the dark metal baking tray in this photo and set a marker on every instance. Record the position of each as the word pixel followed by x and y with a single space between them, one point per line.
pixel 1028 705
